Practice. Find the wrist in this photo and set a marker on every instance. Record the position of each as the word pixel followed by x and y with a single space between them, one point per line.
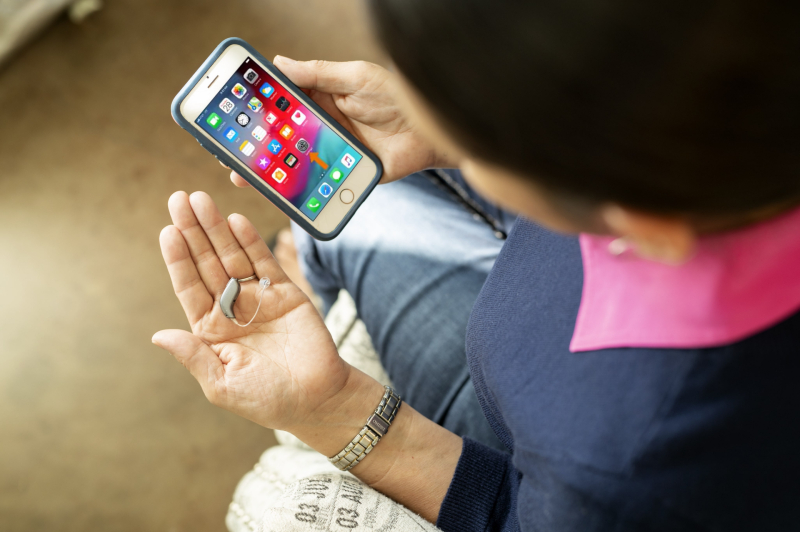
pixel 445 160
pixel 413 463
pixel 338 419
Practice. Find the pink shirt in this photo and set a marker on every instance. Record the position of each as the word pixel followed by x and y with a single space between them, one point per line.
pixel 735 285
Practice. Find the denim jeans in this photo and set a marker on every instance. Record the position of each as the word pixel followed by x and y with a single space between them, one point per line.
pixel 414 258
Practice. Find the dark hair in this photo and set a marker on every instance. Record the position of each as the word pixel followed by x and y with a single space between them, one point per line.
pixel 678 106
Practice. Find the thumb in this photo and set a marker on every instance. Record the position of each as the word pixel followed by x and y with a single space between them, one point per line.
pixel 194 354
pixel 324 76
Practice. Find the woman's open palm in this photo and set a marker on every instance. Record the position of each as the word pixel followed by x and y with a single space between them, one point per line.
pixel 281 367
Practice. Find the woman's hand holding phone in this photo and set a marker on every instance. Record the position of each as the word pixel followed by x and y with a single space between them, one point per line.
pixel 362 97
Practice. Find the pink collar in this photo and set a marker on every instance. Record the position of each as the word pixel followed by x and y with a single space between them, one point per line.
pixel 737 284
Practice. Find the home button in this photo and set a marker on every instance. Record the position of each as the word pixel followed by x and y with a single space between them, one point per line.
pixel 347 196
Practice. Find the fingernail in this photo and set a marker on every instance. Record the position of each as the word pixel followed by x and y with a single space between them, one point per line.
pixel 283 59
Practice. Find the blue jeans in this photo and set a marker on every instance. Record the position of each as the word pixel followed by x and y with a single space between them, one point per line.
pixel 414 258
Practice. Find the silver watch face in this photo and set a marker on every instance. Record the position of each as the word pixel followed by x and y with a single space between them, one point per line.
pixel 378 425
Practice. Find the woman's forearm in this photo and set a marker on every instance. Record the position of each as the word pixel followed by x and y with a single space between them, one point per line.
pixel 413 463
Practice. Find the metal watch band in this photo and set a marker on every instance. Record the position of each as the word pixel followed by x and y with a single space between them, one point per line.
pixel 377 425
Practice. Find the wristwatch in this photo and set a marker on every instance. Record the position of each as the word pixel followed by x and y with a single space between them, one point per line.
pixel 376 427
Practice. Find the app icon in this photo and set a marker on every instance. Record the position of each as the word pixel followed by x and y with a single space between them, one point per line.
pixel 302 145
pixel 259 133
pixel 348 160
pixel 231 134
pixel 247 148
pixel 325 190
pixel 263 162
pixel 287 132
pixel 282 103
pixel 213 120
pixel 336 174
pixel 313 204
pixel 243 119
pixel 267 90
pixel 274 147
pixel 227 106
pixel 279 175
pixel 251 76
pixel 255 104
pixel 270 117
pixel 291 160
pixel 298 117
pixel 239 91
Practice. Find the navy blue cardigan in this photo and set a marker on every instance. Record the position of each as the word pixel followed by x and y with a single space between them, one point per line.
pixel 619 438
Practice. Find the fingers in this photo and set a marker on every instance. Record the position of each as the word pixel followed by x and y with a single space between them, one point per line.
pixel 326 102
pixel 238 180
pixel 186 280
pixel 200 248
pixel 257 251
pixel 227 248
pixel 218 249
pixel 195 355
pixel 326 76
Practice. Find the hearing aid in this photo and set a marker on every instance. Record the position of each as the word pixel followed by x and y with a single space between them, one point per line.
pixel 231 293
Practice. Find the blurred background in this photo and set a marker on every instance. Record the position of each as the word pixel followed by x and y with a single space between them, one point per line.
pixel 99 429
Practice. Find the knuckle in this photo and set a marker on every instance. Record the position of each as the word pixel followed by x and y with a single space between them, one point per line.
pixel 180 289
pixel 229 250
pixel 319 64
pixel 205 256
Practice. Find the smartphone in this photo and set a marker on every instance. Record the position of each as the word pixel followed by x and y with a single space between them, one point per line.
pixel 252 118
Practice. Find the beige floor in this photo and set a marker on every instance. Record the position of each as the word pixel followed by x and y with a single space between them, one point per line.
pixel 99 429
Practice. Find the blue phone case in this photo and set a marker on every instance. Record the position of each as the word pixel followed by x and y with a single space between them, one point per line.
pixel 243 171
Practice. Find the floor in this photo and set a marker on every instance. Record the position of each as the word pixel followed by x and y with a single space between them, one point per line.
pixel 99 429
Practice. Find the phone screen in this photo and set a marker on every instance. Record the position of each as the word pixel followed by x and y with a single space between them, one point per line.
pixel 279 138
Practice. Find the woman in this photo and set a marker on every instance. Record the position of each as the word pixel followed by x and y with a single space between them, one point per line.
pixel 638 376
